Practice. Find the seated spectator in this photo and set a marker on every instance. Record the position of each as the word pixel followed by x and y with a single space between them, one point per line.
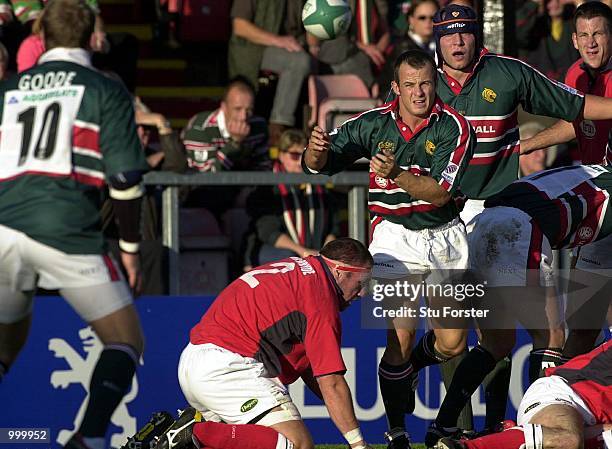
pixel 289 220
pixel 363 47
pixel 169 157
pixel 230 137
pixel 555 52
pixel 419 35
pixel 266 37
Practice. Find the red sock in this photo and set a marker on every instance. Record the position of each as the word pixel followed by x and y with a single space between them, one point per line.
pixel 238 436
pixel 508 439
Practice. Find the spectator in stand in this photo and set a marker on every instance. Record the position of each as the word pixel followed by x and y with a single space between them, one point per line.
pixel 363 47
pixel 268 37
pixel 228 138
pixel 289 220
pixel 170 157
pixel 555 52
pixel 419 35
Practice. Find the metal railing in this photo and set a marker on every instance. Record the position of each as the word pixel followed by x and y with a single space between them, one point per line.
pixel 358 181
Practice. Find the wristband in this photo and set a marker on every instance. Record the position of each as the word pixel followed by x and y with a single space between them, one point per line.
pixel 353 436
pixel 128 247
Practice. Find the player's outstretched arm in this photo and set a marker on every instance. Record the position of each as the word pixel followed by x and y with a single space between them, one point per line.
pixel 339 402
pixel 597 108
pixel 315 156
pixel 560 132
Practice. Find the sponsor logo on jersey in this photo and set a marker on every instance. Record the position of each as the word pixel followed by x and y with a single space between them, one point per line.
pixel 79 373
pixel 489 95
pixel 531 407
pixel 386 146
pixel 564 86
pixel 200 155
pixel 449 172
pixel 429 147
pixel 588 128
pixel 248 405
pixel 13 100
pixel 485 129
pixel 381 182
pixel 585 233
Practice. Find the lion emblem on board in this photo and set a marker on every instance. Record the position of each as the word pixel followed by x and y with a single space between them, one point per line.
pixel 79 372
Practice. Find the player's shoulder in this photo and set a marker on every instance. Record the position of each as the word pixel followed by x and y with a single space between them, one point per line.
pixel 450 117
pixel 373 115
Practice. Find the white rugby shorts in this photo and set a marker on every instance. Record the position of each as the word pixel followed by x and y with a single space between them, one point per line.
pixel 399 252
pixel 596 256
pixel 231 388
pixel 470 210
pixel 552 390
pixel 92 284
pixel 505 247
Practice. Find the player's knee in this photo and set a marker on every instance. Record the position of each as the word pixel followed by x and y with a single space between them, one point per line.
pixel 451 346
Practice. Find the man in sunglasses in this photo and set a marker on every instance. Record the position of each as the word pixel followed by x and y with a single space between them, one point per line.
pixel 419 150
pixel 271 326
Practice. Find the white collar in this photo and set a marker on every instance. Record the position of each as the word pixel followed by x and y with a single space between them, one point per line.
pixel 222 125
pixel 77 55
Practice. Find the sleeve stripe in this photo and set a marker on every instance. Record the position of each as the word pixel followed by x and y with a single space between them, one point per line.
pixel 458 155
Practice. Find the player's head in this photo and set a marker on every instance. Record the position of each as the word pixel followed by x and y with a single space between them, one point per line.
pixel 456 33
pixel 351 265
pixel 67 23
pixel 593 31
pixel 414 73
pixel 238 100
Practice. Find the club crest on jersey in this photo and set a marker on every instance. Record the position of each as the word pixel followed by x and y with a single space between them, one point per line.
pixel 585 233
pixel 386 146
pixel 429 147
pixel 381 182
pixel 588 128
pixel 489 95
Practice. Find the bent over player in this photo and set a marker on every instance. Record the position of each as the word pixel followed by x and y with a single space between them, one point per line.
pixel 570 408
pixel 67 130
pixel 274 324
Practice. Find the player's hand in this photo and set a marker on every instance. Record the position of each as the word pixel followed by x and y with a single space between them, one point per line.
pixel 309 252
pixel 289 43
pixel 131 263
pixel 384 165
pixel 319 141
pixel 238 129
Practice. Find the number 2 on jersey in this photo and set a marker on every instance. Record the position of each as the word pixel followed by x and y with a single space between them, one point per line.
pixel 250 279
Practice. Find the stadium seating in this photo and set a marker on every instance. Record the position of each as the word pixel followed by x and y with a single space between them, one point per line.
pixel 334 98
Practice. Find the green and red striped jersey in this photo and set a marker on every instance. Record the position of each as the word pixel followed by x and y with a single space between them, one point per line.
pixel 65 129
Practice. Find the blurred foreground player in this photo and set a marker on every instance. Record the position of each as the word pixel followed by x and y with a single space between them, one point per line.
pixel 274 324
pixel 571 408
pixel 67 130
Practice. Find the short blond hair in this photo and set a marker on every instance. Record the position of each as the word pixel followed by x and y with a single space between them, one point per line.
pixel 290 138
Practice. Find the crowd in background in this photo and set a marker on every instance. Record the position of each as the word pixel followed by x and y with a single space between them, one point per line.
pixel 268 43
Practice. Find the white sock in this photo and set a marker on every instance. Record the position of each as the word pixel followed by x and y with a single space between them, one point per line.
pixel 533 436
